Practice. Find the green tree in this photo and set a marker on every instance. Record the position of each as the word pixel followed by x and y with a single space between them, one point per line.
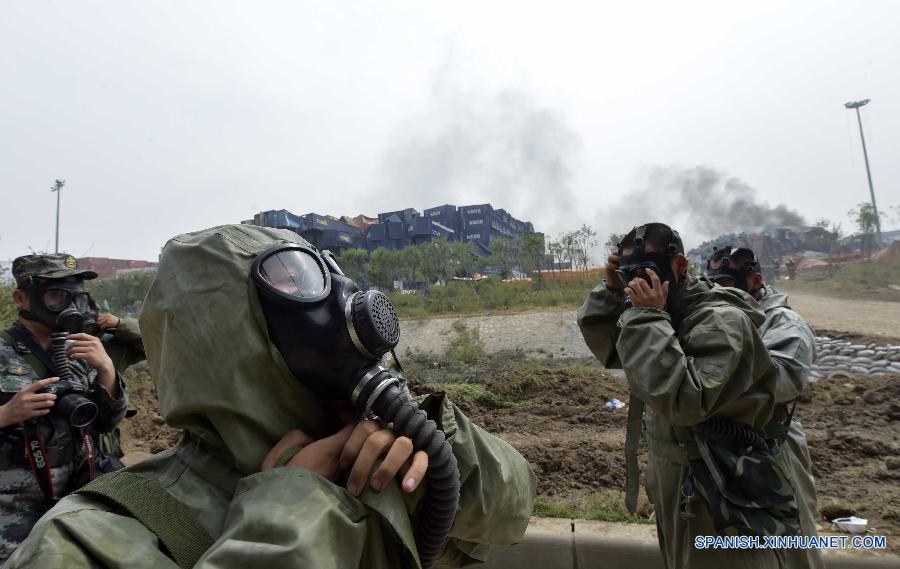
pixel 866 222
pixel 464 260
pixel 531 253
pixel 586 240
pixel 504 256
pixel 831 232
pixel 555 249
pixel 437 260
pixel 612 242
pixel 8 311
pixel 122 294
pixel 353 263
pixel 380 269
pixel 410 261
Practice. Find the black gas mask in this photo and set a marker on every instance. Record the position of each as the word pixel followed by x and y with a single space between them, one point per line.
pixel 330 334
pixel 635 264
pixel 58 304
pixel 724 274
pixel 332 337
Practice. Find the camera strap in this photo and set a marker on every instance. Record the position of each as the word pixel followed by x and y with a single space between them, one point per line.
pixel 90 452
pixel 39 461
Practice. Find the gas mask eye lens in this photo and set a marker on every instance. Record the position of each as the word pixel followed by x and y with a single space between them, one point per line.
pixel 56 299
pixel 295 273
pixel 83 301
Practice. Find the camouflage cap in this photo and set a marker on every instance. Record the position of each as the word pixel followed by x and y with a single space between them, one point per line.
pixel 49 265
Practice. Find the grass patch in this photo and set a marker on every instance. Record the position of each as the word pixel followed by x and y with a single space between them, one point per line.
pixel 465 345
pixel 606 506
pixel 478 297
pixel 554 509
pixel 473 393
pixel 861 277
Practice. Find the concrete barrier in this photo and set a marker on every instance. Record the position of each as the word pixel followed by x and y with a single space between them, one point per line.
pixel 572 544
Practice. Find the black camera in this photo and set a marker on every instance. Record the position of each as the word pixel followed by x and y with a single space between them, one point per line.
pixel 72 404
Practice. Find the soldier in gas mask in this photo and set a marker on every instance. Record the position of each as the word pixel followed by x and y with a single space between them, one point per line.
pixel 267 358
pixel 58 387
pixel 703 386
pixel 792 346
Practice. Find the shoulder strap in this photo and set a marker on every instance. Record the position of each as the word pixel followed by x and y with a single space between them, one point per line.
pixel 35 355
pixel 148 502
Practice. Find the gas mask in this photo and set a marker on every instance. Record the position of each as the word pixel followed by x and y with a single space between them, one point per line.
pixel 724 274
pixel 635 264
pixel 330 334
pixel 332 337
pixel 58 304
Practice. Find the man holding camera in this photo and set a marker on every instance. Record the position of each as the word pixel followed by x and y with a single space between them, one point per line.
pixel 57 384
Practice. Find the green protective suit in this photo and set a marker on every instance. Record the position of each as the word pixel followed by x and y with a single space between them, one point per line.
pixel 222 381
pixel 124 346
pixel 791 344
pixel 703 360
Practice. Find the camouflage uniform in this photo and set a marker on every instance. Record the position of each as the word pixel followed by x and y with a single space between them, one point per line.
pixel 21 500
pixel 791 344
pixel 702 359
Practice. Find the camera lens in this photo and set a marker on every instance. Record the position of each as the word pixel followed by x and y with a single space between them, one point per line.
pixel 78 410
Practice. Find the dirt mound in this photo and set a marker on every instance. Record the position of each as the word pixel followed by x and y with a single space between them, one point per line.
pixel 146 432
pixel 554 412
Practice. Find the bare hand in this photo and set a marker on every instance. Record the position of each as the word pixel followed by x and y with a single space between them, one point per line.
pixel 369 442
pixel 355 448
pixel 645 295
pixel 322 456
pixel 27 404
pixel 107 321
pixel 90 349
pixel 613 282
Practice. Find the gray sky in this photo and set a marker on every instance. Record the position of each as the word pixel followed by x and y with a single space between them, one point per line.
pixel 166 117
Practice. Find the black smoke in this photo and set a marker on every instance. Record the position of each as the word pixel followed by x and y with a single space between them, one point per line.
pixel 700 202
pixel 472 146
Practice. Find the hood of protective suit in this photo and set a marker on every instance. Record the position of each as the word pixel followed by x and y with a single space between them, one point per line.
pixel 217 373
pixel 703 292
pixel 773 299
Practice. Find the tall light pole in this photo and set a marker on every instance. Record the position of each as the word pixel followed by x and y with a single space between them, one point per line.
pixel 856 105
pixel 57 187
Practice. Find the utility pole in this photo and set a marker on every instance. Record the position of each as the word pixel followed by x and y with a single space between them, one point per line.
pixel 856 105
pixel 57 187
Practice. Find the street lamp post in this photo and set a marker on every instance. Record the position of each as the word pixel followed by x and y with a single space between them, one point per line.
pixel 856 105
pixel 57 187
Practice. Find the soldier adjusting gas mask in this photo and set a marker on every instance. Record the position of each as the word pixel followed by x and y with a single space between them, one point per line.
pixel 724 274
pixel 635 264
pixel 332 337
pixel 330 334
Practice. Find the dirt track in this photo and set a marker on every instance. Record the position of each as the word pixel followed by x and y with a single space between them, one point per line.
pixel 555 332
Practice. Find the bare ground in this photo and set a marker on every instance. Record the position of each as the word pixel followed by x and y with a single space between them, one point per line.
pixel 555 415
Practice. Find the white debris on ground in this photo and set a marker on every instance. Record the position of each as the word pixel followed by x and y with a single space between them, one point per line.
pixel 863 359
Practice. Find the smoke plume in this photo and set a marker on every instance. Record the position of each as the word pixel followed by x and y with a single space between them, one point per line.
pixel 700 202
pixel 472 146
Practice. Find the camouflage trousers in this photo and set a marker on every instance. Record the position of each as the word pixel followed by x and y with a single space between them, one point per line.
pixel 22 504
pixel 663 479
